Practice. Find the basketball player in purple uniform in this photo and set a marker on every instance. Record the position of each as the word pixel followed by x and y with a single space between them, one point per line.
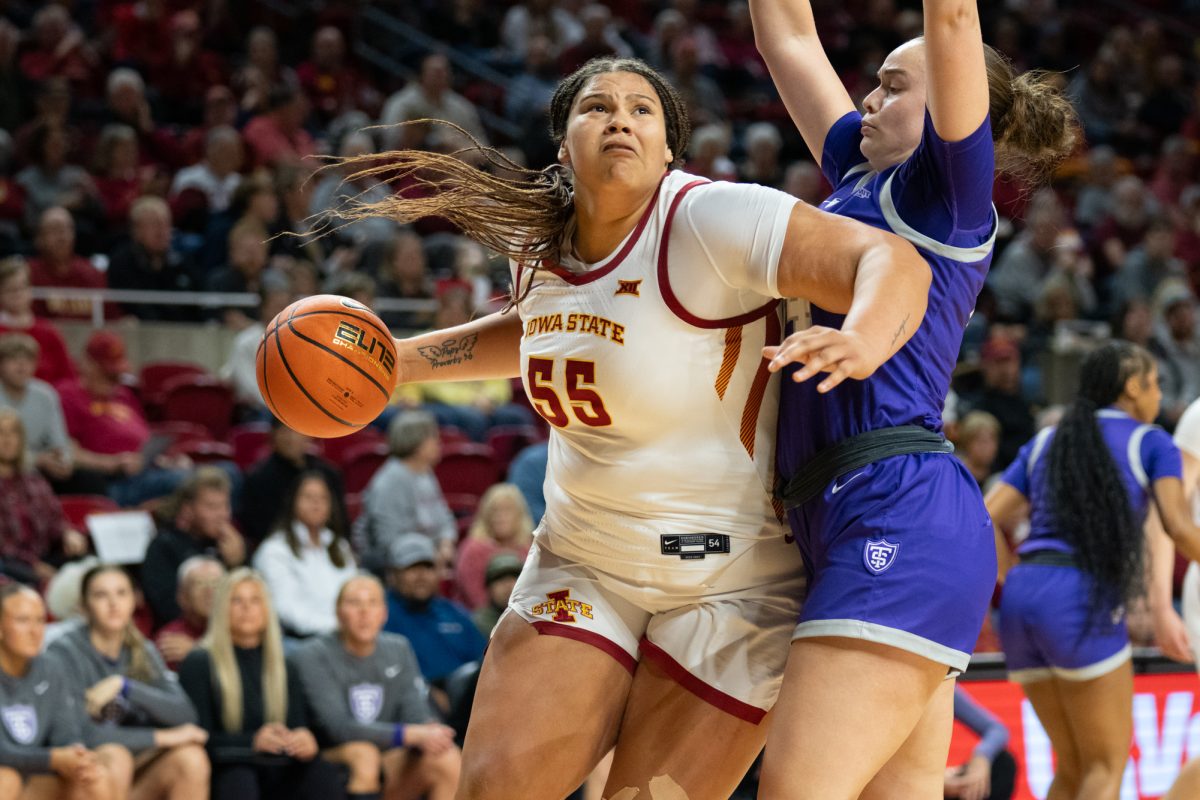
pixel 1087 485
pixel 893 530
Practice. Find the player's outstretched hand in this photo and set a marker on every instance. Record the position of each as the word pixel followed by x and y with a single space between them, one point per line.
pixel 842 354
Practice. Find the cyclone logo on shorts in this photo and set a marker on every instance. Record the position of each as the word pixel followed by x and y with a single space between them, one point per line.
pixel 879 555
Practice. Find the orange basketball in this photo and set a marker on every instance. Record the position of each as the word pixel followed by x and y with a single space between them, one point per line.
pixel 326 366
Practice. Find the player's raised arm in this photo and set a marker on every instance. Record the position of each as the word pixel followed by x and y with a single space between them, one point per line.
pixel 957 90
pixel 875 278
pixel 786 35
pixel 482 349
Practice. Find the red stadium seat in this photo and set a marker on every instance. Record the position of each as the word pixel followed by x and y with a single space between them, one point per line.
pixel 337 450
pixel 359 464
pixel 201 399
pixel 251 441
pixel 462 505
pixel 77 507
pixel 508 440
pixel 449 434
pixel 468 469
pixel 179 431
pixel 153 377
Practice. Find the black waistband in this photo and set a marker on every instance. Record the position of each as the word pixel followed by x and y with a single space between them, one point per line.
pixel 1051 558
pixel 855 452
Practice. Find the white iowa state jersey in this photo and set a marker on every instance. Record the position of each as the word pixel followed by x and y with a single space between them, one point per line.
pixel 662 422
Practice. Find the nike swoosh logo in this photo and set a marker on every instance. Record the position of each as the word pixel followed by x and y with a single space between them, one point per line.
pixel 392 672
pixel 838 487
pixel 669 542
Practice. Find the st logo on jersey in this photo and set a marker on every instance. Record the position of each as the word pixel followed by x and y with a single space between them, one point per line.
pixel 561 607
pixel 366 701
pixel 21 723
pixel 879 555
pixel 629 287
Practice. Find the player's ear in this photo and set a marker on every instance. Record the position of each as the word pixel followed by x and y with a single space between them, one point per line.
pixel 564 157
pixel 670 157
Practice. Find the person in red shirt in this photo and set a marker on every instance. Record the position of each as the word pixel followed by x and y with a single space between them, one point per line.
pixel 16 316
pixel 278 136
pixel 58 265
pixel 333 86
pixel 60 49
pixel 198 578
pixel 108 428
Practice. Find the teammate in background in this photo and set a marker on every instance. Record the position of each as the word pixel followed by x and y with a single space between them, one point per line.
pixel 130 697
pixel 251 704
pixel 370 706
pixel 1179 638
pixel 1087 484
pixel 899 549
pixel 41 757
pixel 657 602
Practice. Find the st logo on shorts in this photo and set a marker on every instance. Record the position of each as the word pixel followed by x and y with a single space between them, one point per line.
pixel 366 701
pixel 561 607
pixel 879 555
pixel 21 722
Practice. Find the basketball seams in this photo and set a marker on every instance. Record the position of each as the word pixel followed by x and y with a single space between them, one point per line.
pixel 283 360
pixel 386 394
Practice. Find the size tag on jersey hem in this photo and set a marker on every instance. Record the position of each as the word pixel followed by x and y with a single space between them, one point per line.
pixel 694 545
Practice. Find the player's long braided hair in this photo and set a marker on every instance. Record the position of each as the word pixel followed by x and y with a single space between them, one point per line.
pixel 1087 492
pixel 512 210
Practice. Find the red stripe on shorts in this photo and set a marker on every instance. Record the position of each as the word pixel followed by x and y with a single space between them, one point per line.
pixel 709 694
pixel 547 628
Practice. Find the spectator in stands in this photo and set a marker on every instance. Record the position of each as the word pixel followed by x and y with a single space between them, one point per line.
pixel 761 165
pixel 34 534
pixel 127 104
pixel 255 202
pixel 499 580
pixel 333 86
pixel 369 704
pixel 1174 174
pixel 49 180
pixel 16 315
pixel 532 18
pixel 251 704
pixel 1102 104
pixel 803 179
pixel 14 94
pixel 531 89
pixel 214 180
pixel 991 772
pixel 130 697
pixel 118 177
pixel 1095 199
pixel 1134 322
pixel 150 261
pixel 403 497
pixel 294 188
pixel 1165 104
pixel 600 38
pixel 430 97
pixel 977 443
pixel 244 273
pixel 1026 262
pixel 441 632
pixel 1001 395
pixel 709 155
pixel 37 404
pixel 268 481
pixel 705 100
pixel 502 525
pixel 274 295
pixel 220 111
pixel 528 473
pixel 57 265
pixel 1187 242
pixel 197 577
pixel 60 49
pixel 109 431
pixel 1149 264
pixel 1124 227
pixel 401 271
pixel 195 521
pixel 335 190
pixel 277 136
pixel 263 72
pixel 1176 345
pixel 52 106
pixel 40 749
pixel 188 69
pixel 307 557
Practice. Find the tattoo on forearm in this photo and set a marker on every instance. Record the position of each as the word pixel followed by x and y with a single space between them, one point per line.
pixel 900 331
pixel 449 352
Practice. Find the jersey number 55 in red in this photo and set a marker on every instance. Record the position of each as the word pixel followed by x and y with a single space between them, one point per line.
pixel 579 377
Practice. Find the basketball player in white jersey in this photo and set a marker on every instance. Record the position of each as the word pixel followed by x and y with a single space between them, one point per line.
pixel 657 605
